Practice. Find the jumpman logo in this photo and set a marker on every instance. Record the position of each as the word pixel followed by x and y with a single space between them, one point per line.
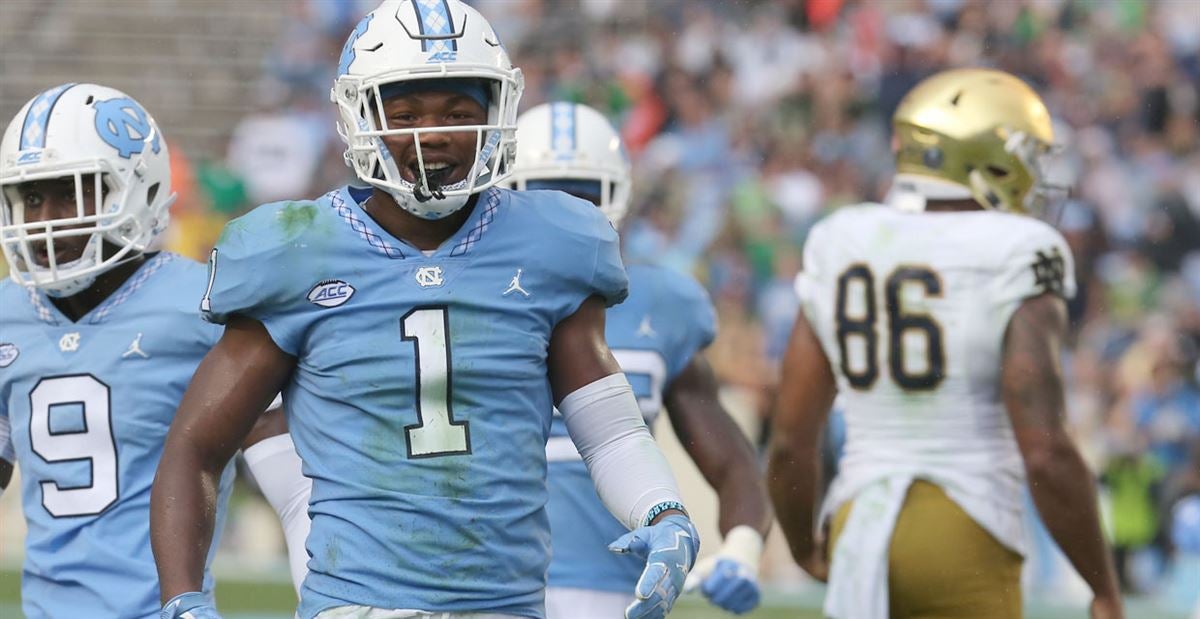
pixel 515 285
pixel 644 329
pixel 135 348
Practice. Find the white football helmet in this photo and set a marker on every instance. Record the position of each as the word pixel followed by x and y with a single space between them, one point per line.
pixel 77 131
pixel 567 146
pixel 410 40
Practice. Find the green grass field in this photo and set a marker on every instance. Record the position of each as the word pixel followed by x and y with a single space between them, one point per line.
pixel 242 599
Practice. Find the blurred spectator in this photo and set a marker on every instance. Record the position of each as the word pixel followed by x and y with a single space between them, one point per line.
pixel 277 151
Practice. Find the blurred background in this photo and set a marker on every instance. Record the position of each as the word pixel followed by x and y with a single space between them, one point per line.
pixel 747 121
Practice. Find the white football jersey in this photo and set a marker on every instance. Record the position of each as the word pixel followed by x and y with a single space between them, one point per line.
pixel 911 310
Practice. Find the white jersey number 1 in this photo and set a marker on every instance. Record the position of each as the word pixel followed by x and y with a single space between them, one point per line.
pixel 436 433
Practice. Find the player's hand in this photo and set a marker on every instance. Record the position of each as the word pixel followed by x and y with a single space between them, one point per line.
pixel 1107 607
pixel 816 565
pixel 729 579
pixel 190 605
pixel 669 547
pixel 727 583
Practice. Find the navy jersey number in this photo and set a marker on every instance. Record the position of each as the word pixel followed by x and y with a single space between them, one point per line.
pixel 900 323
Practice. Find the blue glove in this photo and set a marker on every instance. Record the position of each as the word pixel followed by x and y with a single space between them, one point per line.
pixel 731 586
pixel 190 605
pixel 670 548
pixel 729 578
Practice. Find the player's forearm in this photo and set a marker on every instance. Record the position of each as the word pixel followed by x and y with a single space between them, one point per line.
pixel 606 425
pixel 717 446
pixel 793 478
pixel 183 506
pixel 742 497
pixel 1064 493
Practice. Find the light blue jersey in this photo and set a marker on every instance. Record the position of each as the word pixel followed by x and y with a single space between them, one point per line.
pixel 89 404
pixel 420 403
pixel 654 334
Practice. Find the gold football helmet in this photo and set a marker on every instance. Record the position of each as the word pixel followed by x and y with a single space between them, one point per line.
pixel 977 133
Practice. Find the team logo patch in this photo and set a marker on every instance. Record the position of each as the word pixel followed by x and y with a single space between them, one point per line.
pixel 29 156
pixel 430 277
pixel 69 342
pixel 330 293
pixel 8 354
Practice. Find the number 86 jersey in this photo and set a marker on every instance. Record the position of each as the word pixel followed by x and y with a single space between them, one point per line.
pixel 89 404
pixel 911 310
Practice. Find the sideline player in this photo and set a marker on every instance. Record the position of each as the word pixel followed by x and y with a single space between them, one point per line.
pixel 657 336
pixel 99 336
pixel 939 320
pixel 422 331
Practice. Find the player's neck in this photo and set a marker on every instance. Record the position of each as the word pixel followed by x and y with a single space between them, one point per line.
pixel 79 304
pixel 965 204
pixel 424 234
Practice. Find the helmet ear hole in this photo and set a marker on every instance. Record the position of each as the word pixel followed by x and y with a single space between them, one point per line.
pixel 997 172
pixel 151 193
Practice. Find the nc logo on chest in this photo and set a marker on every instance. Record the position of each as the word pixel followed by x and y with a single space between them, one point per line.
pixel 69 342
pixel 429 277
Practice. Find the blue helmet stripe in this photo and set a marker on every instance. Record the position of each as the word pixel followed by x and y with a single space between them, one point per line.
pixel 33 130
pixel 434 19
pixel 562 130
pixel 348 52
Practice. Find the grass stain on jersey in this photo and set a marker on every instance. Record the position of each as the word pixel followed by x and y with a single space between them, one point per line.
pixel 294 218
pixel 333 552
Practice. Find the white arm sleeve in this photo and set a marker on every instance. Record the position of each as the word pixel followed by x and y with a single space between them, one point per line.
pixel 630 472
pixel 274 465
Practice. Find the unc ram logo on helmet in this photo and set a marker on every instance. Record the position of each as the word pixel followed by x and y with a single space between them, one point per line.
pixel 457 48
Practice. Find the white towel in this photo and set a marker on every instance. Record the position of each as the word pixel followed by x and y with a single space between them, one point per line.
pixel 858 576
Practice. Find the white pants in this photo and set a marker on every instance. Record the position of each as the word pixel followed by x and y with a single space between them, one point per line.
pixel 566 603
pixel 366 612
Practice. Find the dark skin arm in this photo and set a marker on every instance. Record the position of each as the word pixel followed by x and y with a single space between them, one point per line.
pixel 1062 486
pixel 270 423
pixel 233 385
pixel 717 446
pixel 806 393
pixel 6 469
pixel 579 356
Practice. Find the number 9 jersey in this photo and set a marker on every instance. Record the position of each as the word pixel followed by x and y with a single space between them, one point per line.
pixel 89 404
pixel 911 310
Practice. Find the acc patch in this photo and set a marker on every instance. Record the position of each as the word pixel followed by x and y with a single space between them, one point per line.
pixel 29 156
pixel 8 354
pixel 330 293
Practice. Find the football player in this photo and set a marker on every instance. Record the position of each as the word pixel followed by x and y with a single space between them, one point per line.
pixel 422 330
pixel 100 337
pixel 939 322
pixel 657 336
